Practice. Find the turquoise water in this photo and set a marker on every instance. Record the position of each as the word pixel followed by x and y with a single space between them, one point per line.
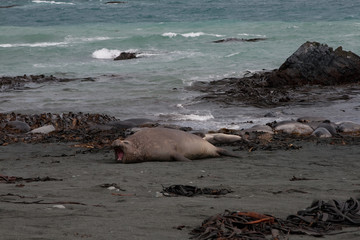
pixel 174 40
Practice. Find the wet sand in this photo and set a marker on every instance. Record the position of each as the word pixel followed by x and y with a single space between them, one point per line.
pixel 79 208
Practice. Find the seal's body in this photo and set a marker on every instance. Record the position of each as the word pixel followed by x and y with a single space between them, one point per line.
pixel 163 144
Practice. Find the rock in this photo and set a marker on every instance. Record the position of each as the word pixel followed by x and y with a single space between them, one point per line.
pixel 312 64
pixel 239 40
pixel 125 56
pixel 114 2
pixel 348 127
pixel 19 125
pixel 315 63
pixel 294 128
pixel 44 130
pixel 321 133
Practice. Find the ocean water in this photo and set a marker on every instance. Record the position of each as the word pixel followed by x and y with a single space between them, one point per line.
pixel 174 40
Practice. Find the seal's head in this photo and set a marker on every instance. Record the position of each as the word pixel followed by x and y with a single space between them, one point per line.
pixel 125 152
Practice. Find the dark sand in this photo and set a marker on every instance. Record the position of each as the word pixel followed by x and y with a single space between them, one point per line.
pixel 260 181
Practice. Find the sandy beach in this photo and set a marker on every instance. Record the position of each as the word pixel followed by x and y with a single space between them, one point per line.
pixel 79 207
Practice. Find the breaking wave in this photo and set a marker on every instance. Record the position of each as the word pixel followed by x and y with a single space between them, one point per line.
pixel 52 2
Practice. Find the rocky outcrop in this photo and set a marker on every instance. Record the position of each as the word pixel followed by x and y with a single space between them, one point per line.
pixel 21 82
pixel 315 63
pixel 312 64
pixel 125 56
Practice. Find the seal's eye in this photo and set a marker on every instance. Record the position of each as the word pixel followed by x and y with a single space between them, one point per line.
pixel 126 142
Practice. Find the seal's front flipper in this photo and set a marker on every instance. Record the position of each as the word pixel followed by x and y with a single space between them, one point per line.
pixel 179 157
pixel 224 152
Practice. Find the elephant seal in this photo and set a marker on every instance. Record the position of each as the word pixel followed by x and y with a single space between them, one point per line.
pixel 164 144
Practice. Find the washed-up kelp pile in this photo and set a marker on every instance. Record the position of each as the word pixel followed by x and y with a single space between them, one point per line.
pixel 320 219
pixel 190 191
pixel 91 129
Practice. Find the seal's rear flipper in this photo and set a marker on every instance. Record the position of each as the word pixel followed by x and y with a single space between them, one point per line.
pixel 224 152
pixel 179 157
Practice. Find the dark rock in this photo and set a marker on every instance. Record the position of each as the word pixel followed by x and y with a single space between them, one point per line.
pixel 239 40
pixel 114 2
pixel 21 82
pixel 312 64
pixel 315 63
pixel 125 56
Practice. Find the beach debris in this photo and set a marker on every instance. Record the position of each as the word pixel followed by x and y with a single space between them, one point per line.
pixel 59 206
pixel 97 131
pixel 301 179
pixel 43 202
pixel 190 191
pixel 123 195
pixel 13 179
pixel 112 186
pixel 319 219
pixel 290 191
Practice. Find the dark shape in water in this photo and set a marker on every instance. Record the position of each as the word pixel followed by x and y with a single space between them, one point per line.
pixel 125 56
pixel 239 40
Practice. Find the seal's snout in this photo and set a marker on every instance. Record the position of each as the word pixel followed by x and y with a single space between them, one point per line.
pixel 119 152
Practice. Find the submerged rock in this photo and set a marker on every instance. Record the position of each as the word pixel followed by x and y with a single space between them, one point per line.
pixel 125 56
pixel 239 40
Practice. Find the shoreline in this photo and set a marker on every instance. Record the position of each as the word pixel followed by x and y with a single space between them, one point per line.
pixel 78 207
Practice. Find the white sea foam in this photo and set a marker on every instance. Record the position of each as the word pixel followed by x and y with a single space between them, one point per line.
pixel 190 34
pixel 67 40
pixel 105 53
pixel 169 34
pixel 85 39
pixel 187 117
pixel 232 54
pixel 251 35
pixel 52 2
pixel 39 44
